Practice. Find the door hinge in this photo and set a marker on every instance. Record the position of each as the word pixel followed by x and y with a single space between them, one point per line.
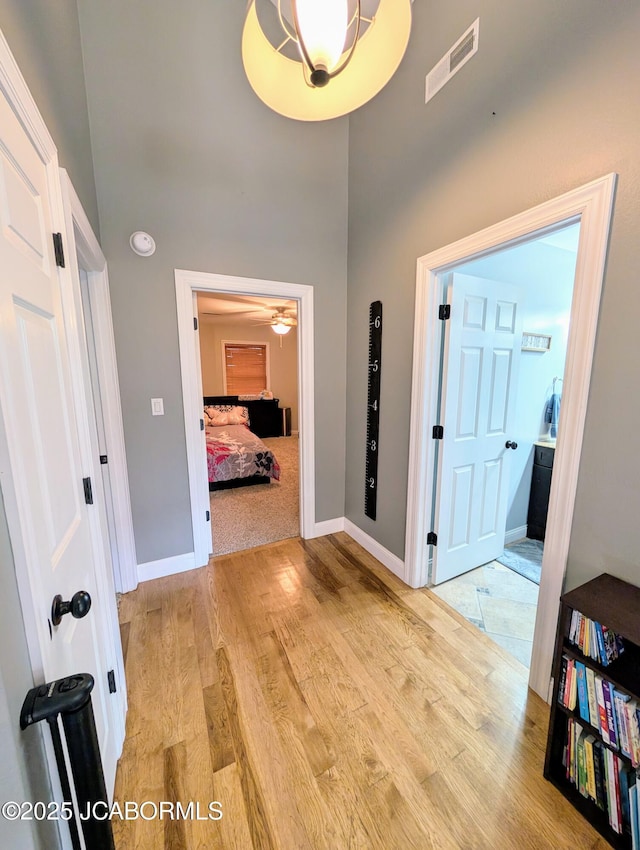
pixel 111 678
pixel 195 323
pixel 58 249
pixel 438 432
pixel 104 459
pixel 432 539
pixel 88 492
pixel 202 424
pixel 444 312
pixel 208 516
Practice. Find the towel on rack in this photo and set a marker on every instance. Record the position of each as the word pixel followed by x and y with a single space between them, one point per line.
pixel 552 414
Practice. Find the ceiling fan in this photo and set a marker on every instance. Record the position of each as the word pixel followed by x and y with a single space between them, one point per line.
pixel 281 322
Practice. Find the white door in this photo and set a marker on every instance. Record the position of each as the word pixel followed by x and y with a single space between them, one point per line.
pixel 40 452
pixel 479 387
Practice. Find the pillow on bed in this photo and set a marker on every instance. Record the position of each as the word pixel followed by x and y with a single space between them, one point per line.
pixel 226 414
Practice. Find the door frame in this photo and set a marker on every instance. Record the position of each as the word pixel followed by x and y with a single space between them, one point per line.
pixel 81 243
pixel 87 248
pixel 592 206
pixel 188 283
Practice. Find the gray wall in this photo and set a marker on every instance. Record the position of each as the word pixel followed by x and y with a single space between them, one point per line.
pixel 44 38
pixel 549 102
pixel 184 149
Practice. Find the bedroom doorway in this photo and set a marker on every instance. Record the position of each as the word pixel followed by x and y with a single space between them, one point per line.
pixel 249 362
pixel 189 285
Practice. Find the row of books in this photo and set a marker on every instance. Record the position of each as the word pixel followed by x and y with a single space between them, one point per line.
pixel 600 775
pixel 612 712
pixel 594 640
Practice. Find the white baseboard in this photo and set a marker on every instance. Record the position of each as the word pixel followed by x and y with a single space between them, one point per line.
pixel 167 566
pixel 391 561
pixel 328 526
pixel 515 534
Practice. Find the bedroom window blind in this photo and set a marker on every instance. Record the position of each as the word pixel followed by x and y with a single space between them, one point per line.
pixel 245 367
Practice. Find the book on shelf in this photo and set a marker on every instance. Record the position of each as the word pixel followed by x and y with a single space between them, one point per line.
pixel 635 815
pixel 583 699
pixel 607 690
pixel 614 713
pixel 602 776
pixel 594 640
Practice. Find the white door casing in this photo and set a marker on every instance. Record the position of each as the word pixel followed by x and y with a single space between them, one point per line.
pixel 480 373
pixel 592 206
pixel 88 256
pixel 81 249
pixel 187 283
pixel 43 450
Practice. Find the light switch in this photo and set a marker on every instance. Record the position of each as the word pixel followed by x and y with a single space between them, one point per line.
pixel 157 407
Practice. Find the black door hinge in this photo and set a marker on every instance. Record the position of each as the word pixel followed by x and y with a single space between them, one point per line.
pixel 438 432
pixel 88 492
pixel 432 539
pixel 111 678
pixel 58 249
pixel 104 459
pixel 208 516
pixel 202 424
pixel 444 312
pixel 195 323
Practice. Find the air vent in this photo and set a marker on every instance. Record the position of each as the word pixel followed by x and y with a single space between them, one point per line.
pixel 453 60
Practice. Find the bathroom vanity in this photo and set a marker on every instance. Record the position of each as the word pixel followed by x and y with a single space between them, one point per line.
pixel 544 452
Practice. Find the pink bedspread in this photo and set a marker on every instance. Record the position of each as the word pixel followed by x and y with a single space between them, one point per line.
pixel 233 451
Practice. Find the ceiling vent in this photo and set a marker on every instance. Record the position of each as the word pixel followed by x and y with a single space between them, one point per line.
pixel 453 60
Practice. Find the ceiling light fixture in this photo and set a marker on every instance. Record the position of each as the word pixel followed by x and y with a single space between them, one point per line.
pixel 317 59
pixel 281 328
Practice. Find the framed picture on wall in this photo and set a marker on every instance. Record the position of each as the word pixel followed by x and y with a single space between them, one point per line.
pixel 535 342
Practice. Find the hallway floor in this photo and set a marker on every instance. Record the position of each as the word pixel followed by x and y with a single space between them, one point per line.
pixel 325 705
pixel 499 602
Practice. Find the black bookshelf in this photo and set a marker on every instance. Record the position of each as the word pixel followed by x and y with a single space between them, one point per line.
pixel 615 604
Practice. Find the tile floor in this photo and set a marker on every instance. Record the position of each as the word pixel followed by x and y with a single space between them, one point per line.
pixel 498 601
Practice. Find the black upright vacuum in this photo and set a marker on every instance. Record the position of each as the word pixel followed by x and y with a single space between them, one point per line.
pixel 70 698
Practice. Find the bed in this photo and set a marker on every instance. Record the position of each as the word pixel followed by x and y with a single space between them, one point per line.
pixel 236 457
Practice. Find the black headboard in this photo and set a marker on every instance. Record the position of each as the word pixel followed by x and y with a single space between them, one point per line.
pixel 265 417
pixel 221 399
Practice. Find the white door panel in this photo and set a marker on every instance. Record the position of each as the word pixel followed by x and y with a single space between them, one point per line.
pixel 41 467
pixel 478 404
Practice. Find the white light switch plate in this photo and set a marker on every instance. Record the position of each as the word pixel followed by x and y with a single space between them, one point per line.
pixel 157 407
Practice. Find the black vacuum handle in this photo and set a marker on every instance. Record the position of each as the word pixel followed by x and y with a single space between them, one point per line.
pixel 62 696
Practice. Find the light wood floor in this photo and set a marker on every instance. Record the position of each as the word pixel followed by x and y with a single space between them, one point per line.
pixel 326 705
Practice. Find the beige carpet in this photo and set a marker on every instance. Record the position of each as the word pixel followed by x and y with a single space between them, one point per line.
pixel 251 516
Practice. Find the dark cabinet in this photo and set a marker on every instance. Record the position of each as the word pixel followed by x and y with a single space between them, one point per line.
pixel 265 417
pixel 540 489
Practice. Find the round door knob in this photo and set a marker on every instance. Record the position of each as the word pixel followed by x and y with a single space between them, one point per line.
pixel 78 607
pixel 511 445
